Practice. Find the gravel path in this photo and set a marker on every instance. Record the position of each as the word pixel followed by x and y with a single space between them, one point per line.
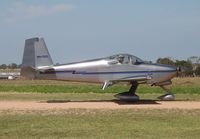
pixel 97 104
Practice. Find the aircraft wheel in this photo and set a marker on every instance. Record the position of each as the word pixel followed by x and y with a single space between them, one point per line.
pixel 127 96
pixel 167 97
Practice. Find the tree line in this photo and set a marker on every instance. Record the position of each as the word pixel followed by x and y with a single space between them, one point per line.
pixel 10 66
pixel 189 67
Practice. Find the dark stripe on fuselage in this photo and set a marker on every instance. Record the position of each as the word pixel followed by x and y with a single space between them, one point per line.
pixel 93 73
pixel 54 72
pixel 134 77
pixel 122 72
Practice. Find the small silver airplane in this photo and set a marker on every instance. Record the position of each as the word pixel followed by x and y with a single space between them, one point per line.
pixel 37 64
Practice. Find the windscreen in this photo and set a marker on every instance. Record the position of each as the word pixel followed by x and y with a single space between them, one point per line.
pixel 125 59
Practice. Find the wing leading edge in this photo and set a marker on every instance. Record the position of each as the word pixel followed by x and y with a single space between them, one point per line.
pixel 127 79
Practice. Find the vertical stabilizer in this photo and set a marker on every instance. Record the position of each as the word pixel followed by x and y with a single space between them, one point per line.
pixel 36 55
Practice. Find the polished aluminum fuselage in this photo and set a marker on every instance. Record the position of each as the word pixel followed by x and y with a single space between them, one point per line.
pixel 103 70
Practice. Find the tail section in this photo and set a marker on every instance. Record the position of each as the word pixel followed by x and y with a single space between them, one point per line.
pixel 36 56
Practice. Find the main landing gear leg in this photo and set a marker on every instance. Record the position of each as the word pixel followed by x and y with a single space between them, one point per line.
pixel 130 95
pixel 168 96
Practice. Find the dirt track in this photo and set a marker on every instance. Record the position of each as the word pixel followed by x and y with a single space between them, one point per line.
pixel 97 104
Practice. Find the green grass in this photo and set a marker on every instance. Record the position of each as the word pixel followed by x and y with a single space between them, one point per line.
pixel 184 89
pixel 84 124
pixel 71 88
pixel 43 86
pixel 179 86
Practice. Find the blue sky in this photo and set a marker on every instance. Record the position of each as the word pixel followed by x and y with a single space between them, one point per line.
pixel 82 29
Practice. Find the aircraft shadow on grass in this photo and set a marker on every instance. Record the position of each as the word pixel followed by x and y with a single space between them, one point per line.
pixel 140 102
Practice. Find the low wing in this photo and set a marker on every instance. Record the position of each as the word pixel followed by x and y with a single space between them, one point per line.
pixel 136 78
pixel 127 79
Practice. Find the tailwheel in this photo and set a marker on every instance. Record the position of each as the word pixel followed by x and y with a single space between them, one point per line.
pixel 130 95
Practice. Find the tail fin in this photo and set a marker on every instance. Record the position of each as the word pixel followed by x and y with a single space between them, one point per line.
pixel 36 55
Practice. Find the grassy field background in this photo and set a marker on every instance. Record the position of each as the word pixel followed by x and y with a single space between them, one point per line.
pixel 183 88
pixel 179 86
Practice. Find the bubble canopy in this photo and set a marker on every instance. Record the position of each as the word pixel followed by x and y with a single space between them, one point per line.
pixel 125 59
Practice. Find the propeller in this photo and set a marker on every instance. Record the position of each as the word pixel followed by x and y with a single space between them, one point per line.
pixel 181 70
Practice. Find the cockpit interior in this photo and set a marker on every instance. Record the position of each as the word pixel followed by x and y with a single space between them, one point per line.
pixel 125 59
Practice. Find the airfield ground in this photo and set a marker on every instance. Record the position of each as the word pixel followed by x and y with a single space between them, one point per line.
pixel 100 123
pixel 50 109
pixel 97 104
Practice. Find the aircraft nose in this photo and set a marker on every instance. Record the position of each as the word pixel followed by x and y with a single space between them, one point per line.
pixel 170 68
pixel 164 73
pixel 174 68
pixel 173 71
pixel 168 72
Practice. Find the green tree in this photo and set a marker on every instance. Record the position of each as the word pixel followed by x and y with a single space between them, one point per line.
pixel 12 66
pixel 165 60
pixel 3 66
pixel 197 71
pixel 183 63
pixel 19 66
pixel 194 59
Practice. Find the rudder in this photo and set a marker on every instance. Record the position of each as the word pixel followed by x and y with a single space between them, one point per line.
pixel 36 56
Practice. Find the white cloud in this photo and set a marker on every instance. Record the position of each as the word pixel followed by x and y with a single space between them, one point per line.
pixel 23 11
